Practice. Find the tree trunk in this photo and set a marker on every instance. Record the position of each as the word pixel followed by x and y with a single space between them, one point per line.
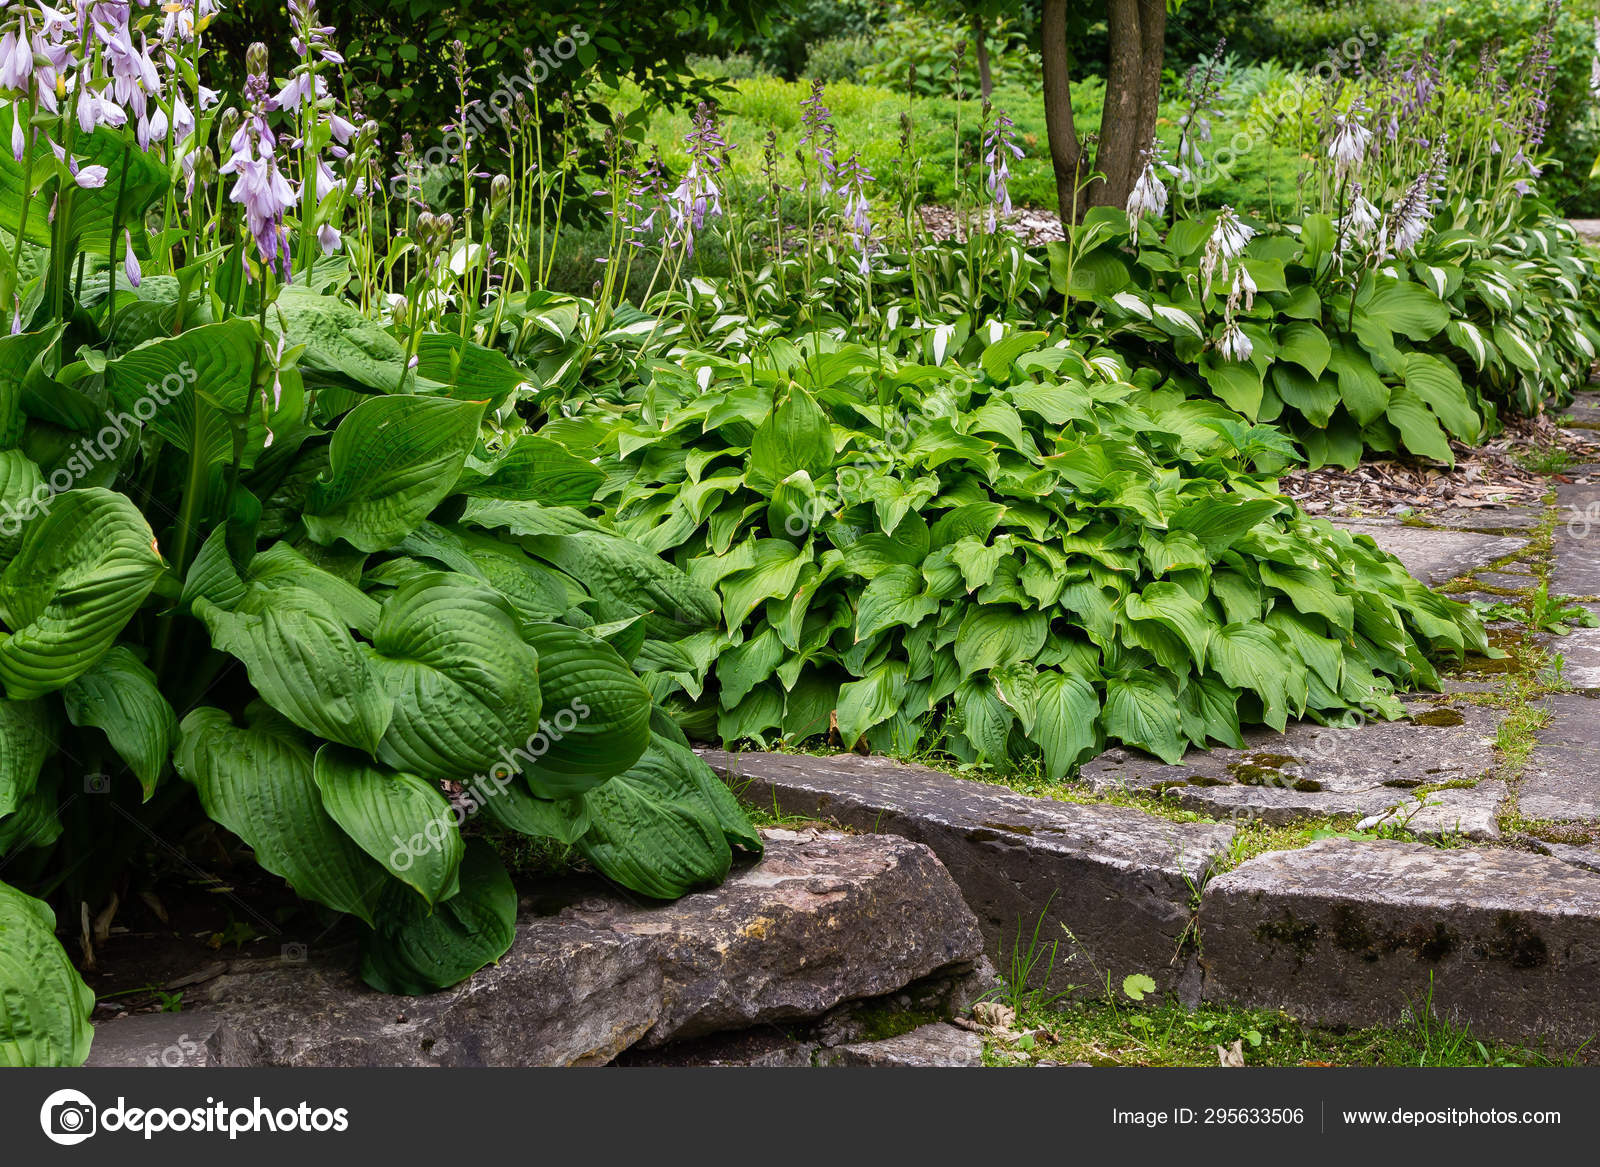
pixel 1066 155
pixel 1121 126
pixel 981 43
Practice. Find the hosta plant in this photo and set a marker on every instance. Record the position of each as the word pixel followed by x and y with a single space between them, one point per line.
pixel 1030 557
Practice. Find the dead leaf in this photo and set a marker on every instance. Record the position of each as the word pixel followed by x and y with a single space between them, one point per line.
pixel 1233 1055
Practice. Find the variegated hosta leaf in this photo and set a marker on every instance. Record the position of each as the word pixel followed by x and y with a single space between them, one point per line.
pixel 81 572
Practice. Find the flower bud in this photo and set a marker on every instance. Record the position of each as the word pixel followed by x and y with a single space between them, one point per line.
pixel 255 58
pixel 499 189
pixel 425 226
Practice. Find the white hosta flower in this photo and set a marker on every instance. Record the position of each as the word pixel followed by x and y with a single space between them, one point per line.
pixel 1226 244
pixel 1244 290
pixel 1149 196
pixel 1234 345
pixel 1361 223
pixel 1349 145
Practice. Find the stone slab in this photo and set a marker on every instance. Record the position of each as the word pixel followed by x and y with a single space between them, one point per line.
pixel 1486 518
pixel 186 1040
pixel 1436 556
pixel 1575 546
pixel 1583 412
pixel 823 918
pixel 1119 879
pixel 1580 656
pixel 1348 932
pixel 563 995
pixel 1561 781
pixel 1313 771
pixel 937 1045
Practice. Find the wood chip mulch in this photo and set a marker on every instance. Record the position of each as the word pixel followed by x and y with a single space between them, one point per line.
pixel 1488 476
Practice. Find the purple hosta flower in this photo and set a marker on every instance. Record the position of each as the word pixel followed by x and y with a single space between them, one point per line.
pixel 260 187
pixel 857 210
pixel 34 54
pixel 130 262
pixel 1149 195
pixel 1415 208
pixel 818 132
pixel 698 195
pixel 1349 143
pixel 131 73
pixel 178 18
pixel 1234 345
pixel 997 144
pixel 1226 244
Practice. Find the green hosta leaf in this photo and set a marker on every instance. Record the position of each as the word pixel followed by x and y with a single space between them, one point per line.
pixel 1418 427
pixel 81 572
pixel 1170 606
pixel 258 782
pixel 20 483
pixel 467 371
pixel 534 468
pixel 873 699
pixel 894 598
pixel 192 389
pixel 1306 345
pixel 44 1004
pixel 1249 656
pixel 512 807
pixel 415 949
pixel 775 574
pixel 119 697
pixel 26 740
pixel 341 344
pixel 626 580
pixel 17 356
pixel 596 712
pixel 997 635
pixel 1064 721
pixel 1219 522
pixel 796 436
pixel 393 459
pixel 1437 383
pixel 1360 388
pixel 1143 712
pixel 1239 384
pixel 463 686
pixel 1409 309
pixel 303 661
pixel 997 358
pixel 665 827
pixel 404 823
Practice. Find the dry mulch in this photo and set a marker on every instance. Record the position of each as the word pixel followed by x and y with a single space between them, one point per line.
pixel 1483 477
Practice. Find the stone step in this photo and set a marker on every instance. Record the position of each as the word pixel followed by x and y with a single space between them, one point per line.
pixel 1120 880
pixel 1434 555
pixel 1561 781
pixel 940 1045
pixel 824 918
pixel 1311 771
pixel 1351 932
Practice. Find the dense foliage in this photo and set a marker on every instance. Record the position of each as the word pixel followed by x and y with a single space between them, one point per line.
pixel 1028 551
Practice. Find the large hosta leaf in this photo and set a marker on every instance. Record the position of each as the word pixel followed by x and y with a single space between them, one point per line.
pixel 795 436
pixel 1143 712
pixel 26 740
pixel 1068 708
pixel 257 780
pixel 596 719
pixel 303 661
pixel 393 459
pixel 120 698
pixel 626 580
pixel 415 949
pixel 464 685
pixel 81 572
pixel 404 823
pixel 534 468
pixel 193 388
pixel 665 827
pixel 44 1004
